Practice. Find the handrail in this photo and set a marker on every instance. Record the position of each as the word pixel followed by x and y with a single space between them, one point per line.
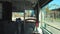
pixel 53 26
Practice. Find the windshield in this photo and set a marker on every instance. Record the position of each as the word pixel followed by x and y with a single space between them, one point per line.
pixel 17 15
pixel 30 14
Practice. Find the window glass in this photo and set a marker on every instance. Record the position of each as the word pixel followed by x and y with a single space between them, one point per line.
pixel 51 14
pixel 30 15
pixel 17 15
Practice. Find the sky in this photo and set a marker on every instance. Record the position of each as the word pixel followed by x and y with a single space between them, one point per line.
pixel 57 2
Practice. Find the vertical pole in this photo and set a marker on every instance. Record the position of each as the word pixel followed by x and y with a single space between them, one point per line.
pixel 24 18
pixel 24 21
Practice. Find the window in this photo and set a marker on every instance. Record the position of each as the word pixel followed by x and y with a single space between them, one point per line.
pixel 17 15
pixel 30 15
pixel 51 16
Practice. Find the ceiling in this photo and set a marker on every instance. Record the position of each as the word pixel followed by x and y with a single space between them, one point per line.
pixel 22 4
pixel 25 4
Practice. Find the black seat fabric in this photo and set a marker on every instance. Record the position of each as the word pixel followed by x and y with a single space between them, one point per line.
pixel 10 27
pixel 29 27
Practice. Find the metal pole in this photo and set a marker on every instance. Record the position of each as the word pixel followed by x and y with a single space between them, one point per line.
pixel 24 18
